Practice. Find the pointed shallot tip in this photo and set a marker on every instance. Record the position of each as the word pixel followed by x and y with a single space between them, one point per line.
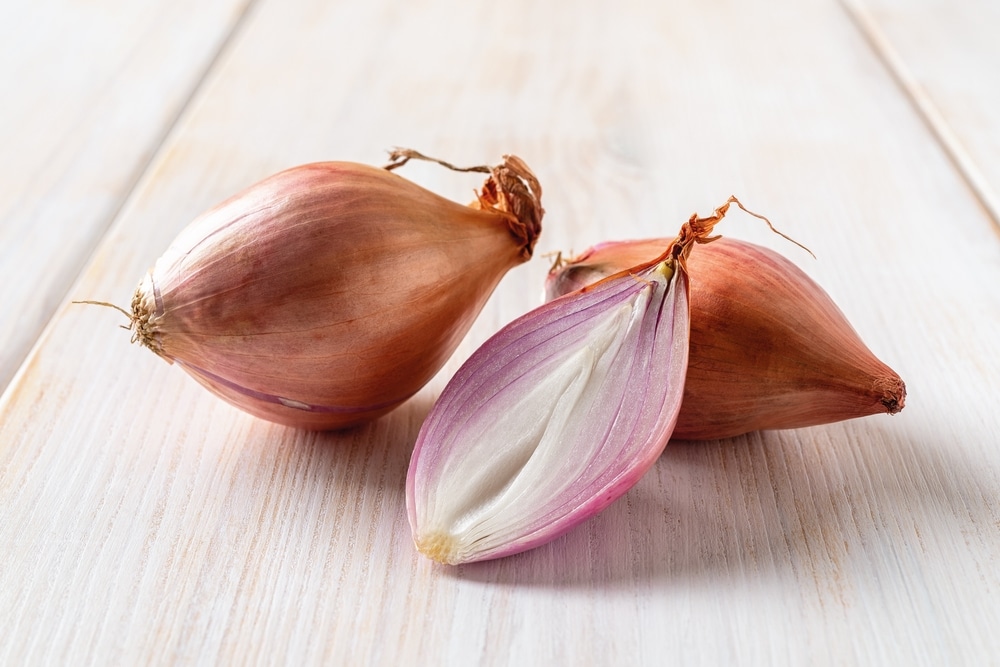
pixel 893 391
pixel 439 547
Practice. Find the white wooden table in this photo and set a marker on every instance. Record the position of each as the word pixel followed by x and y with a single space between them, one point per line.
pixel 143 521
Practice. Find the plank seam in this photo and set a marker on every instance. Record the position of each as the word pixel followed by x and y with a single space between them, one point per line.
pixel 128 192
pixel 930 113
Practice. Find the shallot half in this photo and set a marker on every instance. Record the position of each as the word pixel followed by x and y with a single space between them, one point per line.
pixel 326 295
pixel 558 414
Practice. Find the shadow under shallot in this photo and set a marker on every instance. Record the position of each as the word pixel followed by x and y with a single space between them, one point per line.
pixel 819 506
pixel 339 496
pixel 764 505
pixel 377 454
pixel 398 429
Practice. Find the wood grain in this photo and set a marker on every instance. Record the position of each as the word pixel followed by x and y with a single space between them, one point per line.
pixel 142 521
pixel 90 91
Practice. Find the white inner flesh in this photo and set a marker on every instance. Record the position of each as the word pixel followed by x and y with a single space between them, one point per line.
pixel 522 458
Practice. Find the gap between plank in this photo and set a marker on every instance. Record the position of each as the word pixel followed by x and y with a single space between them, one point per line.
pixel 169 127
pixel 934 119
pixel 129 190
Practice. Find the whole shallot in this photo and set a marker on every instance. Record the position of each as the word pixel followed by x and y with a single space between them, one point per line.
pixel 326 295
pixel 769 347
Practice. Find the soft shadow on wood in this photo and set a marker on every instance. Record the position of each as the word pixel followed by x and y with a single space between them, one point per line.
pixel 396 430
pixel 368 461
pixel 807 505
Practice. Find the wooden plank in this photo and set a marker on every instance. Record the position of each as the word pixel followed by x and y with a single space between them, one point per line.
pixel 89 92
pixel 945 55
pixel 145 522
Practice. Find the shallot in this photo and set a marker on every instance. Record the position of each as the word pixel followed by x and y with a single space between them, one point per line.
pixel 769 347
pixel 326 295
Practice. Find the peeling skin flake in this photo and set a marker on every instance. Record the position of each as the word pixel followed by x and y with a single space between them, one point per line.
pixel 559 414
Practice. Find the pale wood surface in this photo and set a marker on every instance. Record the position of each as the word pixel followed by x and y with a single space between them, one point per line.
pixel 89 92
pixel 142 521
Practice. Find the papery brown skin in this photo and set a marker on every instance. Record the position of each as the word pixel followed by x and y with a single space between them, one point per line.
pixel 326 295
pixel 769 348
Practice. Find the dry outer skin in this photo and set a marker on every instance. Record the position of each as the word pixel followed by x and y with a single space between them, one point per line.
pixel 769 348
pixel 327 294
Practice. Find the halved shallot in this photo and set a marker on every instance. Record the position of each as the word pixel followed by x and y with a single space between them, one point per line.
pixel 558 414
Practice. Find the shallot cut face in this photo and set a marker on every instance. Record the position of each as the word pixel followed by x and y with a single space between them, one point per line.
pixel 556 416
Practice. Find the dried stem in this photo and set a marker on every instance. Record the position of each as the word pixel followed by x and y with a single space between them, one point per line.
pixel 512 191
pixel 400 156
pixel 701 227
pixel 558 261
pixel 131 317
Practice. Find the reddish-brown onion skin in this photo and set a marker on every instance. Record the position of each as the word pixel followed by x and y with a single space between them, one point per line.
pixel 769 347
pixel 338 286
